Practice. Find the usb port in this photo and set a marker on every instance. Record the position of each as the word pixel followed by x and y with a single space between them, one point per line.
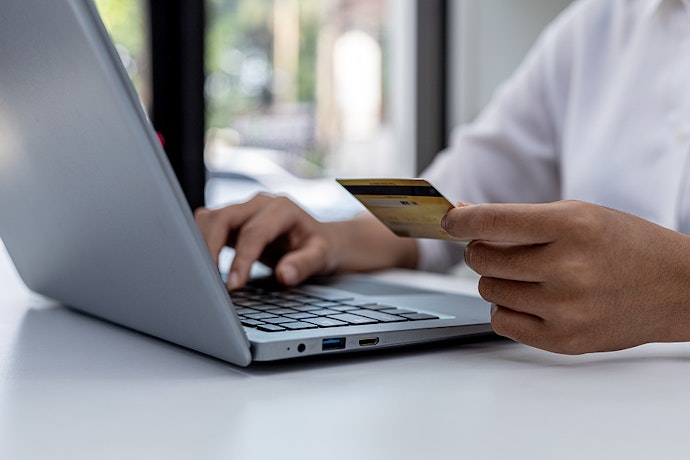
pixel 337 343
pixel 368 341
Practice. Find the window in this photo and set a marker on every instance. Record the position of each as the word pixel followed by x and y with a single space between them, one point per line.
pixel 127 22
pixel 305 85
pixel 308 88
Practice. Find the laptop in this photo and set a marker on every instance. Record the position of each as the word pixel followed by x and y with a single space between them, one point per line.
pixel 92 216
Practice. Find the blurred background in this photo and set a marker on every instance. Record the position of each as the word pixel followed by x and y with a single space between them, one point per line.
pixel 285 95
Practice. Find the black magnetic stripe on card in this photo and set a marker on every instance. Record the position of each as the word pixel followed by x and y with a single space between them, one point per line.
pixel 395 190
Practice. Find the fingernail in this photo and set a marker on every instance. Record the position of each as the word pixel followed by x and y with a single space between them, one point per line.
pixel 289 275
pixel 466 255
pixel 233 280
pixel 443 223
pixel 494 307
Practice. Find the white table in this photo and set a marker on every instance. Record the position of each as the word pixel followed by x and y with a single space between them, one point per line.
pixel 74 387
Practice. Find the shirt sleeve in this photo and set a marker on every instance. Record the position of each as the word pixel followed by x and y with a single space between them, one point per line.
pixel 511 152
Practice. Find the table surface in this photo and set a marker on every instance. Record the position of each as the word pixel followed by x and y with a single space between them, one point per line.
pixel 75 387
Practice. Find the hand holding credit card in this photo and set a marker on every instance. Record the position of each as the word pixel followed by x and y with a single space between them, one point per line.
pixel 409 207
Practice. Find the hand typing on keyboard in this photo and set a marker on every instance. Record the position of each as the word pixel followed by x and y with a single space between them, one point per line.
pixel 277 232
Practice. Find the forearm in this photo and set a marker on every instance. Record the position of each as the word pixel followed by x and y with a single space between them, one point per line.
pixel 365 244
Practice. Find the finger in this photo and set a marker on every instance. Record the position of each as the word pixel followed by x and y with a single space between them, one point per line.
pixel 299 265
pixel 510 261
pixel 519 296
pixel 275 219
pixel 512 223
pixel 519 326
pixel 539 333
pixel 217 225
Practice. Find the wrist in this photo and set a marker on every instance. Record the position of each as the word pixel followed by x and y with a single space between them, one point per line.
pixel 365 244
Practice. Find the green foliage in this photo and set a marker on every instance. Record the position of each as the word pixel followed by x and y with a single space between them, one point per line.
pixel 246 26
pixel 125 21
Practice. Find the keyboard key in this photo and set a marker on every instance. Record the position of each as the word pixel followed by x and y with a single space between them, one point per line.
pixel 298 325
pixel 270 328
pixel 279 320
pixel 260 297
pixel 359 303
pixel 377 307
pixel 345 308
pixel 280 311
pixel 379 316
pixel 262 315
pixel 306 308
pixel 397 311
pixel 300 297
pixel 300 315
pixel 246 302
pixel 287 303
pixel 264 298
pixel 418 316
pixel 325 295
pixel 245 311
pixel 325 304
pixel 325 312
pixel 326 322
pixel 264 307
pixel 353 319
pixel 251 322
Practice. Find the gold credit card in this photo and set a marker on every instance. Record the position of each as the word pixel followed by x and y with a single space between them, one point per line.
pixel 409 207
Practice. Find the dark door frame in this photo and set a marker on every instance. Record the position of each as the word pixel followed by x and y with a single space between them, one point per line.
pixel 177 69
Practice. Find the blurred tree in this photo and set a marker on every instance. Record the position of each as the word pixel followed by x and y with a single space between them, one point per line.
pixel 127 24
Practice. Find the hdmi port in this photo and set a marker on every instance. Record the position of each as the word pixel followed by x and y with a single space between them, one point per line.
pixel 369 341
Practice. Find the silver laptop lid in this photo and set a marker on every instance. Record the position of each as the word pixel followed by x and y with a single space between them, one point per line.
pixel 90 210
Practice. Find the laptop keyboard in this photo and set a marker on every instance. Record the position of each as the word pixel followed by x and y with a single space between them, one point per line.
pixel 293 309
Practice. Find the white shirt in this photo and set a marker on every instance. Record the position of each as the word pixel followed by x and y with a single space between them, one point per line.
pixel 599 111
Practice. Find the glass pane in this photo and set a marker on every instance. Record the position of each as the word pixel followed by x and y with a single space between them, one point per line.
pixel 127 22
pixel 299 85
